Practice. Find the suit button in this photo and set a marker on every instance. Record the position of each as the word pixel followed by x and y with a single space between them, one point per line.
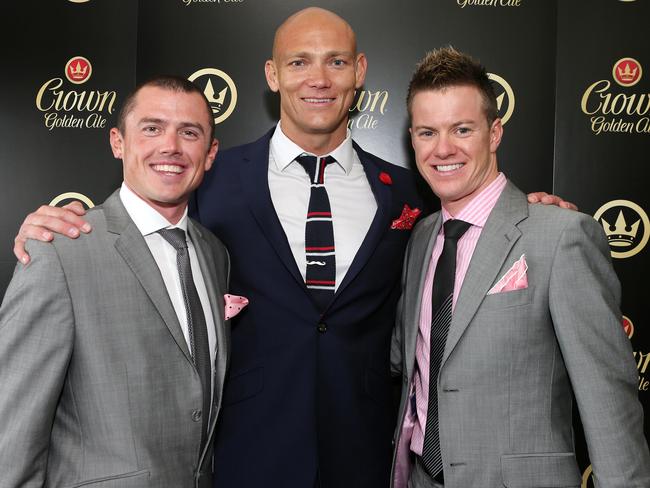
pixel 322 327
pixel 196 415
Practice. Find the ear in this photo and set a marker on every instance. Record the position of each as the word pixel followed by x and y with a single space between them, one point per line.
pixel 496 132
pixel 271 75
pixel 117 142
pixel 411 134
pixel 212 153
pixel 360 67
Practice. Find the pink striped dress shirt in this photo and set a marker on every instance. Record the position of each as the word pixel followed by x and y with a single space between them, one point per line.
pixel 476 213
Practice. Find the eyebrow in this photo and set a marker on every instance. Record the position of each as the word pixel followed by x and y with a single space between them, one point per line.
pixel 328 54
pixel 455 124
pixel 182 125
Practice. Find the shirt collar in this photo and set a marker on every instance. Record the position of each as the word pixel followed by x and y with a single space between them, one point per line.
pixel 284 151
pixel 145 218
pixel 477 211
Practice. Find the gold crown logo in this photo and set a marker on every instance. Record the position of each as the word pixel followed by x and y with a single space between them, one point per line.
pixel 209 94
pixel 627 75
pixel 222 103
pixel 618 234
pixel 77 72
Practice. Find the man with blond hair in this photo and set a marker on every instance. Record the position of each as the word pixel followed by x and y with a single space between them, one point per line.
pixel 507 311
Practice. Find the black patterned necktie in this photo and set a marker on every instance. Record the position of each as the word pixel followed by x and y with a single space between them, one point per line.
pixel 442 300
pixel 320 276
pixel 196 324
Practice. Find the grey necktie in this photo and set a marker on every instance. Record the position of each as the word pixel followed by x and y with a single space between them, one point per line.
pixel 196 324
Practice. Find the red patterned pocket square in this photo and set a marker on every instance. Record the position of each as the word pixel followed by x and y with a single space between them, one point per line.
pixel 407 219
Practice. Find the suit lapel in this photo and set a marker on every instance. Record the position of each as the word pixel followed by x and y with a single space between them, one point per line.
pixel 215 291
pixel 419 259
pixel 380 223
pixel 134 250
pixel 497 238
pixel 255 184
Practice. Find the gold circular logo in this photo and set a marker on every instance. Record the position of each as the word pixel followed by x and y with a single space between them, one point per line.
pixel 219 89
pixel 628 327
pixel 72 196
pixel 505 97
pixel 627 72
pixel 626 226
pixel 78 70
pixel 587 481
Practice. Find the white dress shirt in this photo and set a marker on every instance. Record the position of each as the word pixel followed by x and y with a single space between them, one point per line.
pixel 351 199
pixel 149 221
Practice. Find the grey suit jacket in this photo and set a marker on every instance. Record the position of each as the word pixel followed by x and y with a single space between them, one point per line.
pixel 97 384
pixel 512 360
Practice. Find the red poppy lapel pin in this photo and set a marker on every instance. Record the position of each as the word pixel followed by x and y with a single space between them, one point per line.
pixel 385 178
pixel 407 219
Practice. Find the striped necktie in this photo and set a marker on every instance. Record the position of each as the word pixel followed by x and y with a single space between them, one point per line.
pixel 442 300
pixel 320 276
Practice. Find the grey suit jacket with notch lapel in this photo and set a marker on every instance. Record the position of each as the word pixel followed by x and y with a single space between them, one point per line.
pixel 98 386
pixel 513 359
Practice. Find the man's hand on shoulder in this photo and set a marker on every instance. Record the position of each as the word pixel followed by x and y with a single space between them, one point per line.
pixel 548 199
pixel 46 221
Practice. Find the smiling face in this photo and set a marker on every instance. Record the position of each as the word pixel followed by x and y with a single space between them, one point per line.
pixel 455 147
pixel 166 147
pixel 316 70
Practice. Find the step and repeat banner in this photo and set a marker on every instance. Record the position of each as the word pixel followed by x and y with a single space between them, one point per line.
pixel 602 145
pixel 570 79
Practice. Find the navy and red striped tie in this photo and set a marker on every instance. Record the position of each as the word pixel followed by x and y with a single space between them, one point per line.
pixel 320 276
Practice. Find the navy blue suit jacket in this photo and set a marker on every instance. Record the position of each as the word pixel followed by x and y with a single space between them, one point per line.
pixel 306 392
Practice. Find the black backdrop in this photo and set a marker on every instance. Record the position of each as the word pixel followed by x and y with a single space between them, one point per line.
pixel 588 145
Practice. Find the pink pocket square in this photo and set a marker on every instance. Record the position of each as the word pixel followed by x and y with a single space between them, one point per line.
pixel 514 279
pixel 234 305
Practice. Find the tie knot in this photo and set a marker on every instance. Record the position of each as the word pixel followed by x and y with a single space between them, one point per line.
pixel 315 166
pixel 176 237
pixel 454 229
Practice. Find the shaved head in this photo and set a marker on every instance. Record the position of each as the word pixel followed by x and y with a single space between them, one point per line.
pixel 316 69
pixel 312 16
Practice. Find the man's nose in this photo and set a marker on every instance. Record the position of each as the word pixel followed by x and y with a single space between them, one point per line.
pixel 444 147
pixel 319 76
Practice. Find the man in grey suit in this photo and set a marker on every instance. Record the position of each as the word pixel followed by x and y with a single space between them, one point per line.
pixel 535 317
pixel 113 347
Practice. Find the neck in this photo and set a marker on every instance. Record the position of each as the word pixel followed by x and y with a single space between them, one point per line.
pixel 172 214
pixel 172 211
pixel 454 207
pixel 316 143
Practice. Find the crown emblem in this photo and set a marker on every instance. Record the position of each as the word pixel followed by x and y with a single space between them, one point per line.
pixel 77 71
pixel 628 326
pixel 620 234
pixel 627 72
pixel 627 75
pixel 209 94
pixel 222 103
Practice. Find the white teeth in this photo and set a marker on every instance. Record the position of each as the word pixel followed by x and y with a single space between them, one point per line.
pixel 167 168
pixel 318 100
pixel 448 167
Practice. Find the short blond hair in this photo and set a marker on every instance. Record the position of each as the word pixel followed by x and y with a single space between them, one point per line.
pixel 446 67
